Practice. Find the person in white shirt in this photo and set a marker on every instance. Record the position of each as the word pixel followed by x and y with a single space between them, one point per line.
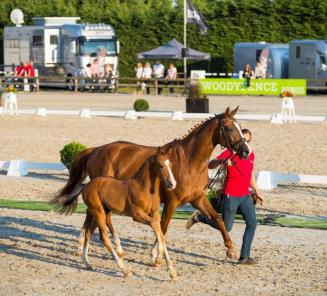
pixel 158 73
pixel 171 77
pixel 138 75
pixel 146 76
pixel 259 72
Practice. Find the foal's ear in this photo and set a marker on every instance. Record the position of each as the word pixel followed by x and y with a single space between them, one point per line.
pixel 234 111
pixel 227 111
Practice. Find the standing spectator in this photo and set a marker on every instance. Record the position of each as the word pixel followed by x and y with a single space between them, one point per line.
pixel 158 73
pixel 29 70
pixel 108 76
pixel 259 72
pixel 138 75
pixel 247 74
pixel 95 72
pixel 19 74
pixel 171 77
pixel 146 76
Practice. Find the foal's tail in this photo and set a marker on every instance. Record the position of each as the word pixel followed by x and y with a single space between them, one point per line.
pixel 66 200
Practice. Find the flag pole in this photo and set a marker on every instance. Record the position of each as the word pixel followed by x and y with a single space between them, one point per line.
pixel 184 58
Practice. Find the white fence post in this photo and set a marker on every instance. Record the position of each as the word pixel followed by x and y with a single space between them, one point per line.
pixel 177 115
pixel 130 114
pixel 17 168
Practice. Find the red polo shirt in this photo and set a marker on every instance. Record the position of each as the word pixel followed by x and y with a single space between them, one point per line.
pixel 238 175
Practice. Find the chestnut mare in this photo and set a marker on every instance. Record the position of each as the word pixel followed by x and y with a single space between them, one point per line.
pixel 137 197
pixel 189 166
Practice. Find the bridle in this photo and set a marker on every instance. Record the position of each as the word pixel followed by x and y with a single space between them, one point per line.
pixel 230 146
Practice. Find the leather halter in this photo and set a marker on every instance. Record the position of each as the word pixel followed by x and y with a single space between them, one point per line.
pixel 230 146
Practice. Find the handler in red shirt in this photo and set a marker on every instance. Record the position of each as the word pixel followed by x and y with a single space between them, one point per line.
pixel 236 197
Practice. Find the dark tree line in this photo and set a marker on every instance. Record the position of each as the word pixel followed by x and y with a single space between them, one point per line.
pixel 144 24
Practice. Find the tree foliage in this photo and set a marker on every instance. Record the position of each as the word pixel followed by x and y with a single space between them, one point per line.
pixel 144 24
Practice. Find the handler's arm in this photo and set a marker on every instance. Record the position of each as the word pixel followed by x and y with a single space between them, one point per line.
pixel 256 190
pixel 213 163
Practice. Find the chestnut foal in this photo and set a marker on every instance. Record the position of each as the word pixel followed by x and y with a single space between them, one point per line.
pixel 137 197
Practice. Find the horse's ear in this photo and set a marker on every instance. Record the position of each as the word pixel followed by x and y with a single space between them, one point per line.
pixel 234 111
pixel 227 111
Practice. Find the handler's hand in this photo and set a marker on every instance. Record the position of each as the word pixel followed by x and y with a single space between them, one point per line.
pixel 259 197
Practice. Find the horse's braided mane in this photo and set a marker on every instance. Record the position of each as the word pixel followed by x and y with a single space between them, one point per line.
pixel 197 127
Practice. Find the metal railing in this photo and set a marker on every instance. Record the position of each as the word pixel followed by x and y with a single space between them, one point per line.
pixel 78 83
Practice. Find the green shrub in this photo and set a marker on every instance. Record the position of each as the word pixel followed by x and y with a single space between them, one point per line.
pixel 69 152
pixel 141 105
pixel 211 195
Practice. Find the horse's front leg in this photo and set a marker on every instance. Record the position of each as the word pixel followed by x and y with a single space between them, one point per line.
pixel 202 204
pixel 167 214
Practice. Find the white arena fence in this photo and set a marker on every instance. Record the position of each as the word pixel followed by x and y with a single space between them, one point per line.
pixel 266 180
pixel 175 115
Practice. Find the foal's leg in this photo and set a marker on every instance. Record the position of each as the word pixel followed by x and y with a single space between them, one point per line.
pixel 172 271
pixel 115 236
pixel 88 229
pixel 154 222
pixel 100 217
pixel 205 207
pixel 167 214
pixel 81 238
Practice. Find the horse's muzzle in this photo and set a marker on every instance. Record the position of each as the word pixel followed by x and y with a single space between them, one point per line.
pixel 169 184
pixel 243 152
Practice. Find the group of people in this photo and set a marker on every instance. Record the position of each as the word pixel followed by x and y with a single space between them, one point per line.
pixel 25 70
pixel 145 73
pixel 258 73
pixel 98 72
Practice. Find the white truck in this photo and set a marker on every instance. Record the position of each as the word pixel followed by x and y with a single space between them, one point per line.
pixel 60 46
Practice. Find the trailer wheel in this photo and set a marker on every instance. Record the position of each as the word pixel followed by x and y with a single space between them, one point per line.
pixel 71 82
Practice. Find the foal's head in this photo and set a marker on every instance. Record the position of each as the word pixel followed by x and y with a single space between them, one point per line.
pixel 161 167
pixel 231 135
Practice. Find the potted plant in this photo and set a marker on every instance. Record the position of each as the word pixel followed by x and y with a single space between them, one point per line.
pixel 196 101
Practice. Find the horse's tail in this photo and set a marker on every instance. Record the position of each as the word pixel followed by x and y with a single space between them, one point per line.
pixel 66 200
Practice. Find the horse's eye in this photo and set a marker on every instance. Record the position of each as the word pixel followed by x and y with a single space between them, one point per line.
pixel 161 166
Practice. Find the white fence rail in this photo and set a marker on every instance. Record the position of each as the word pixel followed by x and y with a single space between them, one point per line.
pixel 175 115
pixel 266 180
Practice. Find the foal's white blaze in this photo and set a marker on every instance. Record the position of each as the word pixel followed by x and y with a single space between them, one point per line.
pixel 171 176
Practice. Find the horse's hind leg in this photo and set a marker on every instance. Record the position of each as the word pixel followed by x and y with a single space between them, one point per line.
pixel 115 236
pixel 89 227
pixel 81 238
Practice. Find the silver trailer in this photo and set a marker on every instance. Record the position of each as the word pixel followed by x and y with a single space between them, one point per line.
pixel 59 45
pixel 273 57
pixel 308 60
pixel 247 53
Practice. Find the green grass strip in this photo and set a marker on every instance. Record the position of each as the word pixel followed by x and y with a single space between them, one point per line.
pixel 81 209
pixel 302 222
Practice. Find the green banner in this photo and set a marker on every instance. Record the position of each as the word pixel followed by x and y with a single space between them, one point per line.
pixel 231 86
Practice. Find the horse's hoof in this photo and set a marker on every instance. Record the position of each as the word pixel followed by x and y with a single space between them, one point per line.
pixel 231 253
pixel 155 264
pixel 174 277
pixel 79 253
pixel 121 254
pixel 90 268
pixel 127 274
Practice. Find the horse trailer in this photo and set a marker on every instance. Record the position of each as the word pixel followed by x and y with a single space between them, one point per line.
pixel 60 46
